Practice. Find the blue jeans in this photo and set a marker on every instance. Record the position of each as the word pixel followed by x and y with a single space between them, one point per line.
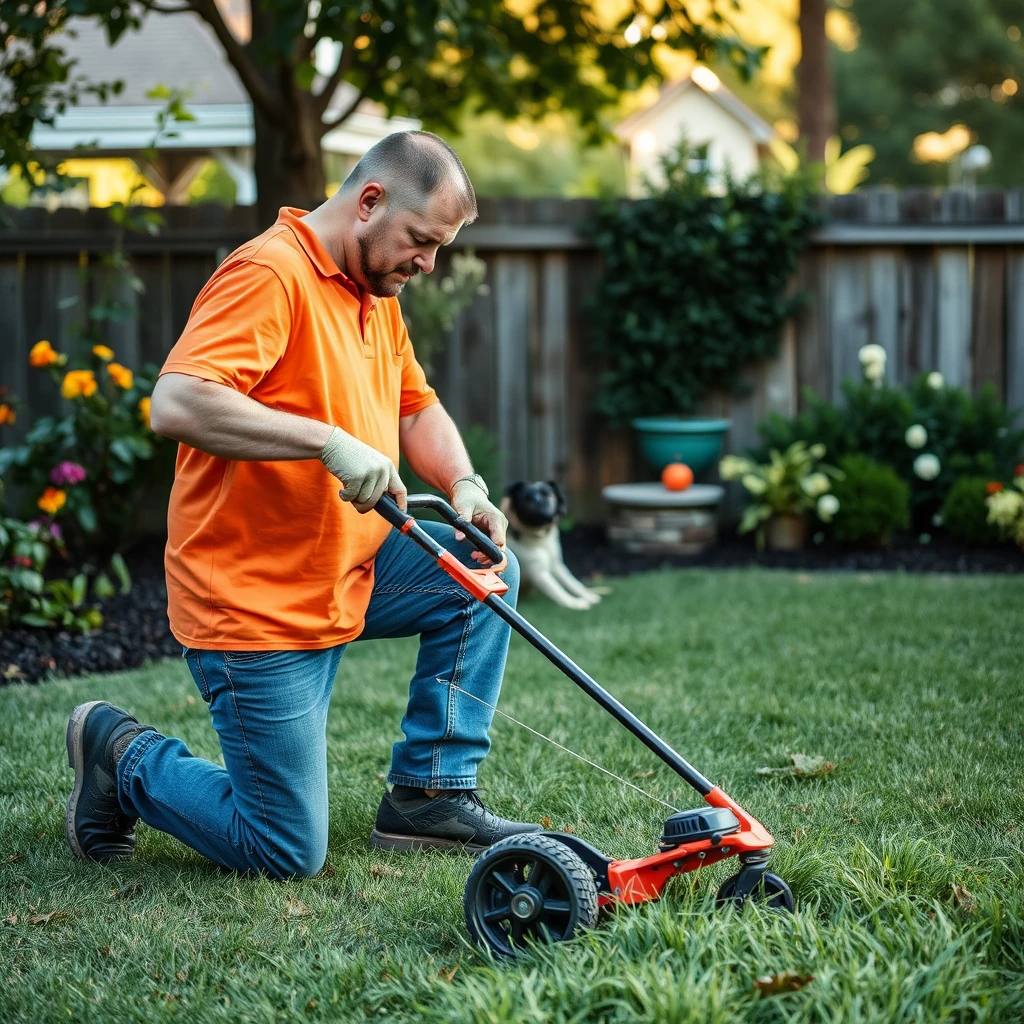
pixel 266 810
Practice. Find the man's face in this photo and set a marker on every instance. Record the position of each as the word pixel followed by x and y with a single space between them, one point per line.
pixel 396 245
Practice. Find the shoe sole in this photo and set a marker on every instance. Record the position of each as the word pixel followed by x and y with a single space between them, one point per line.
pixel 413 844
pixel 76 761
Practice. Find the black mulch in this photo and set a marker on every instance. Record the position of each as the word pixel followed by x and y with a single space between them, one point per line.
pixel 135 626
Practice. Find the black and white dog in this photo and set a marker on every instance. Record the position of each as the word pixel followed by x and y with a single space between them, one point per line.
pixel 533 510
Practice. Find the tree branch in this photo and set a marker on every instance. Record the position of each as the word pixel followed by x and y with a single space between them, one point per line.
pixel 150 6
pixel 323 98
pixel 257 88
pixel 360 96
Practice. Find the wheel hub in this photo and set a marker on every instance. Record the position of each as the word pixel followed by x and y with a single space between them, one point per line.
pixel 526 903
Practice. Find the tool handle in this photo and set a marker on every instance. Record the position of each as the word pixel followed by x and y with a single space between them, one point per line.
pixel 388 508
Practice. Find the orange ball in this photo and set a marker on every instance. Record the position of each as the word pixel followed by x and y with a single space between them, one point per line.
pixel 677 476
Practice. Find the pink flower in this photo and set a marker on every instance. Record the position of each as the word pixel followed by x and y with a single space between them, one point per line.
pixel 55 531
pixel 67 473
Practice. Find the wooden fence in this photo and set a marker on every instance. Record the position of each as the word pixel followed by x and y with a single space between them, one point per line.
pixel 937 278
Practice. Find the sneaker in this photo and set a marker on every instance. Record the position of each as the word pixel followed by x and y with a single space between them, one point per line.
pixel 456 821
pixel 96 828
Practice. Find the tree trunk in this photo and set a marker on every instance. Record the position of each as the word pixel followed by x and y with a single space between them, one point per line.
pixel 288 162
pixel 816 110
pixel 289 171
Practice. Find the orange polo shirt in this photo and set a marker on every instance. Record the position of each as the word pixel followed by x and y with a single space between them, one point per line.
pixel 266 555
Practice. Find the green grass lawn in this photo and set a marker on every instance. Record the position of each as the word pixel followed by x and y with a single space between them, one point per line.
pixel 905 860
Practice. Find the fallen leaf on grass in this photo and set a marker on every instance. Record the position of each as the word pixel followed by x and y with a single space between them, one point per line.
pixel 311 1004
pixel 447 972
pixel 787 981
pixel 295 908
pixel 13 857
pixel 568 830
pixel 12 919
pixel 964 900
pixel 53 915
pixel 802 766
pixel 545 822
pixel 385 871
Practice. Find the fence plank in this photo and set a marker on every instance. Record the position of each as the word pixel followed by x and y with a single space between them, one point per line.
pixel 1015 334
pixel 515 310
pixel 14 365
pixel 988 320
pixel 848 327
pixel 548 373
pixel 953 316
pixel 813 348
pixel 917 314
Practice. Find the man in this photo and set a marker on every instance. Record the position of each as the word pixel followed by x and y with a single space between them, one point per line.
pixel 295 371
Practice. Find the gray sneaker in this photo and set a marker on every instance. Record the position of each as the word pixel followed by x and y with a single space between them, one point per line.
pixel 455 821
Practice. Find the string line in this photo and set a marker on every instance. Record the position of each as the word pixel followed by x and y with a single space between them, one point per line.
pixel 585 760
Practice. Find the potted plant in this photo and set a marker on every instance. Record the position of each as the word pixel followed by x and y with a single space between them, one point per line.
pixel 792 484
pixel 695 286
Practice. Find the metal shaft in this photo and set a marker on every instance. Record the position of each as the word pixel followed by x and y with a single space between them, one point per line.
pixel 589 685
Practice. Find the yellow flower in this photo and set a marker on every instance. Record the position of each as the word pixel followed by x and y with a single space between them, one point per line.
pixel 78 382
pixel 52 501
pixel 7 414
pixel 106 354
pixel 144 404
pixel 42 354
pixel 123 377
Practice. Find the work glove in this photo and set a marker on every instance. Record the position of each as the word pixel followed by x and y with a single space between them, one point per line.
pixel 471 503
pixel 365 472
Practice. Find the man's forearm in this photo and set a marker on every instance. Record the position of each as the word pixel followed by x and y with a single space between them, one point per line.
pixel 433 447
pixel 223 422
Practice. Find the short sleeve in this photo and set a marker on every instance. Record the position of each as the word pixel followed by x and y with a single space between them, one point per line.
pixel 238 329
pixel 417 394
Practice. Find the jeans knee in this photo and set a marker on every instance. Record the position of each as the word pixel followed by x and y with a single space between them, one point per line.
pixel 294 856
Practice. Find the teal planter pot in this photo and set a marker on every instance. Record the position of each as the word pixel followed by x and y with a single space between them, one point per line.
pixel 696 442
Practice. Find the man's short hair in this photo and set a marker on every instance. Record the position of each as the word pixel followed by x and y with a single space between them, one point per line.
pixel 412 166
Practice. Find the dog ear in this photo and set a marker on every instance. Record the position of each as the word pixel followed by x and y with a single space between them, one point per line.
pixel 514 488
pixel 563 507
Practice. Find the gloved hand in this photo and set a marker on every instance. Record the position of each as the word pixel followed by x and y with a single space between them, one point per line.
pixel 365 472
pixel 471 503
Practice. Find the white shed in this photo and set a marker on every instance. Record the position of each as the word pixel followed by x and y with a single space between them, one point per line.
pixel 703 110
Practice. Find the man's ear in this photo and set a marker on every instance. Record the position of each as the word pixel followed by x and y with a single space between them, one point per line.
pixel 563 507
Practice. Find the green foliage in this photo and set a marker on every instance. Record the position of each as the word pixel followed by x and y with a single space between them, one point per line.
pixel 968 434
pixel 694 285
pixel 27 598
pixel 792 483
pixel 873 501
pixel 965 514
pixel 431 307
pixel 925 65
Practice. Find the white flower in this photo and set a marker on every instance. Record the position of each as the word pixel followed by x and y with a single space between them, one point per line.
pixel 874 371
pixel 828 506
pixel 448 285
pixel 815 484
pixel 916 436
pixel 935 380
pixel 927 466
pixel 872 354
pixel 937 519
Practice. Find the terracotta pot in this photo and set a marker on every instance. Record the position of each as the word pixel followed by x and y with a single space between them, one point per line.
pixel 786 533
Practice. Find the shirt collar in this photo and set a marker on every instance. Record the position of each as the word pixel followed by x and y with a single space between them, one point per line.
pixel 318 255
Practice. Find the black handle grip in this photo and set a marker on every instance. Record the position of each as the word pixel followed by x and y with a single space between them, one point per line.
pixel 389 509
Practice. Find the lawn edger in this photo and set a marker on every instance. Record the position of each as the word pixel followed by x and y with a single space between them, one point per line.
pixel 546 885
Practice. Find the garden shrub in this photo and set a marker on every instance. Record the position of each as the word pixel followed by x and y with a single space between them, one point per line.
pixel 873 501
pixel 966 434
pixel 965 514
pixel 694 285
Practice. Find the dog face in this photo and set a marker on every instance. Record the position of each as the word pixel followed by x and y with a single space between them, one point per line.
pixel 536 503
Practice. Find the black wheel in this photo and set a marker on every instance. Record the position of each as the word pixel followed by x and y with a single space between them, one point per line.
pixel 528 886
pixel 771 891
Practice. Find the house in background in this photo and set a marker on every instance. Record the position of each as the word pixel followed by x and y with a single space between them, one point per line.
pixel 102 142
pixel 703 110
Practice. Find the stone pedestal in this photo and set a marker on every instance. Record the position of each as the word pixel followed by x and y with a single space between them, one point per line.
pixel 650 519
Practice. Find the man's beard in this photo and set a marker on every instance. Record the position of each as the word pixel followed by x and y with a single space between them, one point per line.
pixel 378 280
